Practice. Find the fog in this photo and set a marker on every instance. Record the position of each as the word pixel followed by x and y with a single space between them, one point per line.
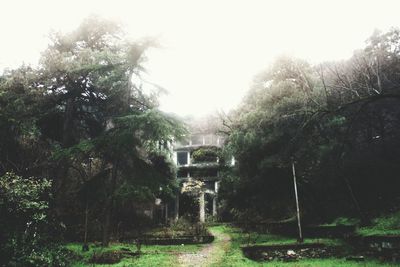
pixel 209 50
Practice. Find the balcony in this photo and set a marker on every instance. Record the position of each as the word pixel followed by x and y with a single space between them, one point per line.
pixel 198 140
pixel 207 174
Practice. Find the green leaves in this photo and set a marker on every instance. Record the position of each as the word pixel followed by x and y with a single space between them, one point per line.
pixel 85 147
pixel 82 118
pixel 206 154
pixel 24 197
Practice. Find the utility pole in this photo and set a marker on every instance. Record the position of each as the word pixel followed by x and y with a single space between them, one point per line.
pixel 85 246
pixel 300 239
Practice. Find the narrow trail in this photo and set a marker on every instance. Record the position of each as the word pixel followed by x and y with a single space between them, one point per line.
pixel 209 254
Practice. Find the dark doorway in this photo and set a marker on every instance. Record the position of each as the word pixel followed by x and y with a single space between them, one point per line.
pixel 189 207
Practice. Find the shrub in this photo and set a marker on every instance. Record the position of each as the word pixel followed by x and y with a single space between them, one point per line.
pixel 24 224
pixel 205 155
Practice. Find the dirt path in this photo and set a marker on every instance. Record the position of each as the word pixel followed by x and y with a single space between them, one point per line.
pixel 209 254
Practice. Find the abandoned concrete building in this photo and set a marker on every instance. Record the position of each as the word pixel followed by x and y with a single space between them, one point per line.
pixel 200 164
pixel 198 172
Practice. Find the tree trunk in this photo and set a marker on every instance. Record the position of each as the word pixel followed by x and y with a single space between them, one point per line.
pixel 67 139
pixel 364 219
pixel 176 215
pixel 109 207
pixel 85 246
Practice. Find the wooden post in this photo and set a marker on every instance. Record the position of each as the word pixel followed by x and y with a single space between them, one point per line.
pixel 297 203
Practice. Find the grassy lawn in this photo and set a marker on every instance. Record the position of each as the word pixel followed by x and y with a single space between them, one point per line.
pixel 234 256
pixel 225 253
pixel 384 225
pixel 151 255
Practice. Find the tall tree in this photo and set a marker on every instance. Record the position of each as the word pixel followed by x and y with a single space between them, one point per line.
pixel 81 102
pixel 336 119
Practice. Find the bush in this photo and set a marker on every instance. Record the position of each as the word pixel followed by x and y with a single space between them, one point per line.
pixel 107 257
pixel 45 256
pixel 182 226
pixel 205 155
pixel 346 221
pixel 385 225
pixel 24 224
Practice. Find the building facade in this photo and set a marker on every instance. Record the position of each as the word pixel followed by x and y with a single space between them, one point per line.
pixel 199 164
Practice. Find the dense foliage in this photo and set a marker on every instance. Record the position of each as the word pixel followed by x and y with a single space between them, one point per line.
pixel 84 150
pixel 337 121
pixel 81 120
pixel 25 222
pixel 206 154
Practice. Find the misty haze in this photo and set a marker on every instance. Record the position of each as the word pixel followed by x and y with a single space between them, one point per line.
pixel 200 133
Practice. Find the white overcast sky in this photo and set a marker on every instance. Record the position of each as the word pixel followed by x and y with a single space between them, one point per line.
pixel 211 49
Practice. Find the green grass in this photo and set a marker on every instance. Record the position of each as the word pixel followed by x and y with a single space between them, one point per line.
pixel 224 253
pixel 272 239
pixel 221 247
pixel 151 255
pixel 234 256
pixel 385 225
pixel 343 221
pixel 233 253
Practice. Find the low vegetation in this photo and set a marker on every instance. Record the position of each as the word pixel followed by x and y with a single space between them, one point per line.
pixel 343 221
pixel 183 227
pixel 86 160
pixel 234 255
pixel 149 255
pixel 385 225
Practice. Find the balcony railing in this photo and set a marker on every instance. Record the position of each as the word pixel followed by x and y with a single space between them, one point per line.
pixel 200 140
